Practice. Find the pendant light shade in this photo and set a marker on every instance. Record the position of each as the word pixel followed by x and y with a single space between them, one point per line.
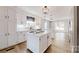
pixel 45 10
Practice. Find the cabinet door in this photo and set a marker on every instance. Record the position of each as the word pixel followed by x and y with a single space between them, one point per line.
pixel 21 37
pixel 43 43
pixel 3 34
pixel 12 35
pixel 19 18
pixel 3 27
pixel 32 42
pixel 23 19
pixel 49 40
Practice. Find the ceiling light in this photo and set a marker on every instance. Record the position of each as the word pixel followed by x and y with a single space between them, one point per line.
pixel 45 10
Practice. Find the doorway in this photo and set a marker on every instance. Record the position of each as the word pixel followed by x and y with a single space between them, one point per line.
pixel 62 35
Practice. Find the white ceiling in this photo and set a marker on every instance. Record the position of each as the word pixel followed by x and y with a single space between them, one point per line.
pixel 54 11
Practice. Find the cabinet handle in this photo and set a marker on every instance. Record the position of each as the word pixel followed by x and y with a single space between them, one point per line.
pixel 5 16
pixel 69 41
pixel 5 34
pixel 24 34
pixel 8 17
pixel 47 37
pixel 21 32
pixel 8 34
pixel 39 39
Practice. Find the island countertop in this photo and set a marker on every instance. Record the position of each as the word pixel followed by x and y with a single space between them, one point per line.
pixel 38 34
pixel 39 41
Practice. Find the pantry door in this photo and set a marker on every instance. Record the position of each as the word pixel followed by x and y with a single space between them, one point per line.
pixel 12 34
pixel 3 27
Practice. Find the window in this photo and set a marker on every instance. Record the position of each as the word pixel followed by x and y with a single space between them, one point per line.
pixel 59 26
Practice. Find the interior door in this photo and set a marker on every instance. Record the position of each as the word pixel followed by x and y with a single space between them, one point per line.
pixel 3 34
pixel 12 34
pixel 3 27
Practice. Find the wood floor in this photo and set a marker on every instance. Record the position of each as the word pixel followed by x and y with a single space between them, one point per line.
pixel 21 48
pixel 59 45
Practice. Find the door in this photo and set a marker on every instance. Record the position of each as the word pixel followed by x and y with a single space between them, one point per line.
pixel 12 34
pixel 3 34
pixel 49 39
pixel 43 43
pixel 3 27
pixel 21 37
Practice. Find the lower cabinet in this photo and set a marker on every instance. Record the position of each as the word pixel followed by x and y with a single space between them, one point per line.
pixel 49 39
pixel 43 43
pixel 12 39
pixel 3 41
pixel 3 34
pixel 21 37
pixel 32 42
pixel 8 39
pixel 38 44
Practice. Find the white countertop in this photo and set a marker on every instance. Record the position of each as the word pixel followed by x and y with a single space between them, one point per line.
pixel 38 34
pixel 41 34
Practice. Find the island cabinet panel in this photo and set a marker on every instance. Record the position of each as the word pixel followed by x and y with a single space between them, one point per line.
pixel 37 43
pixel 43 44
pixel 32 42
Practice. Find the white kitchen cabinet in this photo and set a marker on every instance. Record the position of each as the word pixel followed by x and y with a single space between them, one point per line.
pixel 19 18
pixel 3 27
pixel 8 26
pixel 12 34
pixel 49 39
pixel 43 43
pixel 21 21
pixel 23 18
pixel 8 36
pixel 38 43
pixel 21 37
pixel 32 42
pixel 3 35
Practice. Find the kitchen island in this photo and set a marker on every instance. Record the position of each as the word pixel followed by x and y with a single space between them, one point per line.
pixel 38 42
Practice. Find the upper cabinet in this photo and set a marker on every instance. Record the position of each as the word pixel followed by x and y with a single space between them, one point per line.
pixel 38 21
pixel 21 17
pixel 21 20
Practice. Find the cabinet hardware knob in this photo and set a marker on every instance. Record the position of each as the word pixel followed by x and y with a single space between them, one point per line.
pixel 8 33
pixel 24 34
pixel 8 17
pixel 5 34
pixel 39 39
pixel 47 36
pixel 5 16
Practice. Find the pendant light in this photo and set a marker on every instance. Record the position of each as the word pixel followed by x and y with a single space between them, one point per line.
pixel 45 10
